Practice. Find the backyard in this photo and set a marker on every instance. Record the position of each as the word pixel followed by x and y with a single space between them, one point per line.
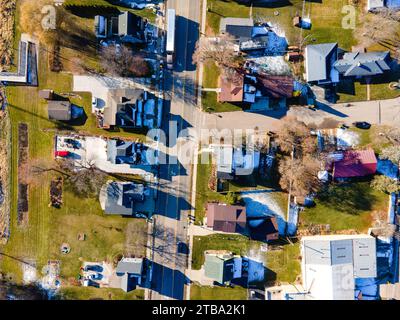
pixel 47 228
pixel 346 207
pixel 281 259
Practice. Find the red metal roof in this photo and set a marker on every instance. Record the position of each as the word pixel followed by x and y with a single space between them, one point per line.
pixel 355 163
pixel 226 218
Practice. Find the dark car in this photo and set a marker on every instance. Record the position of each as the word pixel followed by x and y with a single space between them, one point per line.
pixel 96 276
pixel 362 125
pixel 94 267
pixel 183 248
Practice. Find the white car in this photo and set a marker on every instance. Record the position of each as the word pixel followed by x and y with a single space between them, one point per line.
pixel 94 102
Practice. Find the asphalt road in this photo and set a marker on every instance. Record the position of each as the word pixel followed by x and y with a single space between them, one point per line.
pixel 173 205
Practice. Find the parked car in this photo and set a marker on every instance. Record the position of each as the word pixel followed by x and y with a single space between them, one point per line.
pixel 96 276
pixel 94 267
pixel 362 124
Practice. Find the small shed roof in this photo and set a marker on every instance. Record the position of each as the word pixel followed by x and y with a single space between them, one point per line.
pixel 355 163
pixel 238 27
pixel 59 110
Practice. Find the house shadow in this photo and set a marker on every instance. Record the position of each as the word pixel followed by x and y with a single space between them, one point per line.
pixel 167 282
pixel 326 108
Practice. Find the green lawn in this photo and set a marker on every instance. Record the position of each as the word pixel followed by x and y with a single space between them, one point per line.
pixel 90 293
pixel 211 75
pixel 326 18
pixel 203 192
pixel 346 207
pixel 217 293
pixel 210 103
pixel 281 260
pixel 47 227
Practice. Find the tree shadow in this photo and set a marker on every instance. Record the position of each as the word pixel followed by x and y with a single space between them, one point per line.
pixel 351 198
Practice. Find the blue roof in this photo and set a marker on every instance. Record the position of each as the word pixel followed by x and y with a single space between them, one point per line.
pixel 387 168
pixel 393 3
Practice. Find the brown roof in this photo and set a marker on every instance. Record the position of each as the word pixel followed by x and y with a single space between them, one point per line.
pixel 276 86
pixel 231 92
pixel 226 218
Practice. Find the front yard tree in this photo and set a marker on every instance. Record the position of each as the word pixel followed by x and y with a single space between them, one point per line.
pixel 294 134
pixel 220 51
pixel 84 178
pixel 391 153
pixel 299 175
pixel 385 184
pixel 121 61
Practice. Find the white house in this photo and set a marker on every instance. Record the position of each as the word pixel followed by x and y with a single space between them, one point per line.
pixel 332 263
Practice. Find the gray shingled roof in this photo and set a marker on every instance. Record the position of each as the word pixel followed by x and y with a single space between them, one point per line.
pixel 130 266
pixel 59 110
pixel 237 27
pixel 121 197
pixel 363 64
pixel 317 56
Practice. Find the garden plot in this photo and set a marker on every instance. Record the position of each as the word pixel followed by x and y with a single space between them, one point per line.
pixel 264 204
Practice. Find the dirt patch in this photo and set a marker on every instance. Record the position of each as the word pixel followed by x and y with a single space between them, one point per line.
pixel 136 238
pixel 56 186
pixel 23 156
pixel 7 11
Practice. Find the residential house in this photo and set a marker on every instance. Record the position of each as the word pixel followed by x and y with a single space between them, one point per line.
pixel 390 291
pixel 126 26
pixel 276 87
pixel 59 110
pixel 239 28
pixel 376 5
pixel 126 152
pixel 360 64
pixel 231 91
pixel 265 229
pixel 224 159
pixel 319 63
pixel 333 265
pixel 235 161
pixel 222 266
pixel 226 218
pixel 130 108
pixel 129 272
pixel 354 163
pixel 121 198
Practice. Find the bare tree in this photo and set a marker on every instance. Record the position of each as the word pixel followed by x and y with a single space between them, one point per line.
pixel 121 61
pixel 293 133
pixel 300 175
pixel 381 27
pixel 220 51
pixel 84 178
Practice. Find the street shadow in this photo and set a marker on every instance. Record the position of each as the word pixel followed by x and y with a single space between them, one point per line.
pixel 171 202
pixel 186 36
pixel 276 114
pixel 326 108
pixel 168 282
